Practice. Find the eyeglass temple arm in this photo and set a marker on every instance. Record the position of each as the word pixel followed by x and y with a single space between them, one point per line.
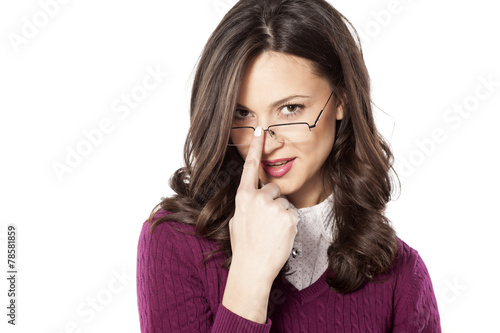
pixel 321 113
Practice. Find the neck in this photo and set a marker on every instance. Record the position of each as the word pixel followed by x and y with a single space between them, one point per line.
pixel 301 200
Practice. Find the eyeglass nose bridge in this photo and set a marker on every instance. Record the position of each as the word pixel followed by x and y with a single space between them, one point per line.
pixel 270 131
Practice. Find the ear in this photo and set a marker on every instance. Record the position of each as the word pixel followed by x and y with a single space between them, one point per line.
pixel 341 105
pixel 340 111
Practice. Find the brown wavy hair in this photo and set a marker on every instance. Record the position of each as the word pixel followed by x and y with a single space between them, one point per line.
pixel 358 169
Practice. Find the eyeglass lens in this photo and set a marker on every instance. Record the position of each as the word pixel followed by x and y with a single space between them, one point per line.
pixel 281 133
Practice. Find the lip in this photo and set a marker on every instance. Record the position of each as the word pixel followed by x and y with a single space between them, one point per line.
pixel 277 171
pixel 278 160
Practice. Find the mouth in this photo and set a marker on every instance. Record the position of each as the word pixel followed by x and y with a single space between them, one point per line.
pixel 280 161
pixel 277 168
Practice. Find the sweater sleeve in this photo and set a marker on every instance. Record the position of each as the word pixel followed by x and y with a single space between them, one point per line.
pixel 416 308
pixel 170 293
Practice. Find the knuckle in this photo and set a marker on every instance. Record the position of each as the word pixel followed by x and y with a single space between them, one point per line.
pixel 283 203
pixel 287 203
pixel 291 225
pixel 250 162
pixel 261 199
pixel 273 187
pixel 241 197
pixel 276 208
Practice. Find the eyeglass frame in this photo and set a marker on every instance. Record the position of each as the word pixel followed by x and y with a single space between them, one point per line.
pixel 297 123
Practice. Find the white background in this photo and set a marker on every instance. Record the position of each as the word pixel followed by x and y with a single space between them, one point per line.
pixel 77 232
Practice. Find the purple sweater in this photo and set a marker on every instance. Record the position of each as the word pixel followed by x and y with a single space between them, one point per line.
pixel 176 294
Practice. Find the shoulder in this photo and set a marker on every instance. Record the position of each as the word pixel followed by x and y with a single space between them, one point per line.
pixel 171 238
pixel 408 262
pixel 414 299
pixel 409 271
pixel 166 240
pixel 166 231
pixel 405 264
pixel 407 258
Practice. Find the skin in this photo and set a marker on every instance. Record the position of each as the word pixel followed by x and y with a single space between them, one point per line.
pixel 271 77
pixel 264 227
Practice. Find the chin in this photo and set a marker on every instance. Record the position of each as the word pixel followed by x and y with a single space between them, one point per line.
pixel 285 185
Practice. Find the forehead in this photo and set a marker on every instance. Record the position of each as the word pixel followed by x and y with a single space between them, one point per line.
pixel 273 75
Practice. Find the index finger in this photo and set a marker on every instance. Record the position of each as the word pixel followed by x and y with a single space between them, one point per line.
pixel 250 174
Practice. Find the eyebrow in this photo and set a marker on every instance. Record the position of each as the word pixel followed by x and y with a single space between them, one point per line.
pixel 281 101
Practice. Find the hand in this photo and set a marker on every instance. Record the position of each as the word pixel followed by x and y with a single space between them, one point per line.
pixel 263 227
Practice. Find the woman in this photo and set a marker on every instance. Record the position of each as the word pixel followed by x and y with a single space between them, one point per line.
pixel 278 220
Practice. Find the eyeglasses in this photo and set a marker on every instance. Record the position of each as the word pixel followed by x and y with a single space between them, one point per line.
pixel 291 132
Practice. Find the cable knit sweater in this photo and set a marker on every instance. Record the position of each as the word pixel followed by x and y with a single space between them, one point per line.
pixel 175 293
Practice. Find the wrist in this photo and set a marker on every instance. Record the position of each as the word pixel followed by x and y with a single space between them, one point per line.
pixel 246 295
pixel 255 274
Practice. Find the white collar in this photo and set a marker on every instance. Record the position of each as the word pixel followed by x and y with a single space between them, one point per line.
pixel 318 213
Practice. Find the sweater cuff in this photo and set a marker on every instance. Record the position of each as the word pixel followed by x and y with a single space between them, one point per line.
pixel 228 321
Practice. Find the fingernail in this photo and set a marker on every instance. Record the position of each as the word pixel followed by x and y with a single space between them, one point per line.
pixel 258 131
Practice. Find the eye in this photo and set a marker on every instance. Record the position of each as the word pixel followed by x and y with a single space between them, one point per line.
pixel 241 113
pixel 290 110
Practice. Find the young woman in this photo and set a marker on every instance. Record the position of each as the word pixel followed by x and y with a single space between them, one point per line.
pixel 278 220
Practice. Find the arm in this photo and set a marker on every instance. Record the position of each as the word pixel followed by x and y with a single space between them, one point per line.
pixel 245 296
pixel 416 308
pixel 170 294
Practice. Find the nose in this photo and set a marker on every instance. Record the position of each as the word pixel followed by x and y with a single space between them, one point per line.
pixel 270 144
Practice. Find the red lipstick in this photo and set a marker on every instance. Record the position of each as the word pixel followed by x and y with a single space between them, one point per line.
pixel 284 165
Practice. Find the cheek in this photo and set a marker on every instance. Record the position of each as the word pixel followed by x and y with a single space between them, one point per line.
pixel 323 136
pixel 326 132
pixel 322 142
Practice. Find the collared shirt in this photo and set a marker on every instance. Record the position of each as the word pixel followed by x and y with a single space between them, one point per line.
pixel 309 259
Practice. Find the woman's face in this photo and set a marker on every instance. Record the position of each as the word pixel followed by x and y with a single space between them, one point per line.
pixel 273 77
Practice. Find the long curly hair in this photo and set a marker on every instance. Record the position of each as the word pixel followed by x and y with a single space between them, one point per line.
pixel 358 168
